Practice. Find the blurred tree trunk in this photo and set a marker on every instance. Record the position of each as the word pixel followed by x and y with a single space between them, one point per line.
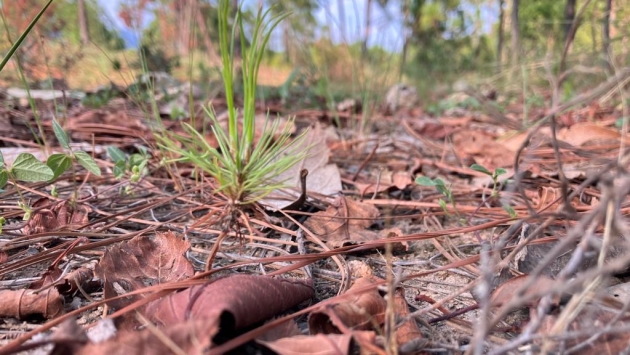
pixel 606 29
pixel 184 14
pixel 500 39
pixel 368 24
pixel 286 41
pixel 205 33
pixel 406 38
pixel 569 16
pixel 515 32
pixel 83 23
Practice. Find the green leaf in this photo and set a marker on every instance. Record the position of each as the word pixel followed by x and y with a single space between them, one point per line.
pixel 480 169
pixel 59 163
pixel 116 154
pixel 499 171
pixel 4 177
pixel 440 186
pixel 1 160
pixel 86 161
pixel 136 159
pixel 27 168
pixel 443 205
pixel 19 41
pixel 61 135
pixel 510 210
pixel 424 181
pixel 119 169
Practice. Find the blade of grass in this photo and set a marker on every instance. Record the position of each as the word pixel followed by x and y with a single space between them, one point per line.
pixel 22 37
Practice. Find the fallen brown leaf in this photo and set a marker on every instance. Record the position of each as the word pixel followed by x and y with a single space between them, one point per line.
pixel 361 311
pixel 234 302
pixel 346 222
pixel 508 291
pixel 23 303
pixel 141 262
pixel 407 332
pixel 583 133
pixel 319 344
pixel 81 277
pixel 482 148
pixel 55 216
pixel 323 178
pixel 192 337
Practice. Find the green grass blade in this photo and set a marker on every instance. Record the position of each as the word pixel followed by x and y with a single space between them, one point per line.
pixel 22 37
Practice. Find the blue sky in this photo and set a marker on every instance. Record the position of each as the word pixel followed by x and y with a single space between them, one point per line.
pixel 386 28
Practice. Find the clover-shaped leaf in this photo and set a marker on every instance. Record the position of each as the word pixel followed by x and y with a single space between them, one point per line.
pixel 58 163
pixel 27 168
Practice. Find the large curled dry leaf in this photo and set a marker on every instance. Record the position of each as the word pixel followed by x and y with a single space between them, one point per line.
pixel 234 302
pixel 23 303
pixel 37 299
pixel 193 318
pixel 141 262
pixel 358 311
pixel 323 178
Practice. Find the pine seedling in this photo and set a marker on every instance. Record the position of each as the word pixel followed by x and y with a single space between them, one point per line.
pixel 246 171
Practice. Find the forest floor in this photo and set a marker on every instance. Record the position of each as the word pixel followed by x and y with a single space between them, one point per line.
pixel 466 229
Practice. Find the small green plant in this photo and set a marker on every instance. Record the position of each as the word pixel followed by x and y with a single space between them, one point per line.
pixel 135 164
pixel 440 107
pixel 25 168
pixel 441 187
pixel 177 113
pixel 493 174
pixel 245 170
pixel 495 185
pixel 60 162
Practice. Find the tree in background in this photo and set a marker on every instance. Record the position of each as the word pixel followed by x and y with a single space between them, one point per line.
pixel 500 33
pixel 606 31
pixel 83 22
pixel 516 33
pixel 569 16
